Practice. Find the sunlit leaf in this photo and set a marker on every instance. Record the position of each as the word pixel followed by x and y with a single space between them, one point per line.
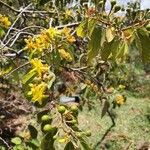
pixel 82 29
pixel 2 32
pixel 94 43
pixel 16 140
pixel 91 25
pixel 28 76
pixel 143 44
pixel 110 34
pixel 69 146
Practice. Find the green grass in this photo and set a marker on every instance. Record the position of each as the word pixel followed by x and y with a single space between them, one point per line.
pixel 132 125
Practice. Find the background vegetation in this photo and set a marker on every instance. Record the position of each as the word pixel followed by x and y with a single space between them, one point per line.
pixel 74 75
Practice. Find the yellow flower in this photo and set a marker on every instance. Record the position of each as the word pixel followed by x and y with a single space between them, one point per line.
pixel 38 66
pixel 68 13
pixel 42 41
pixel 71 39
pixel 52 33
pixel 38 92
pixel 4 21
pixel 65 55
pixel 119 99
pixel 66 31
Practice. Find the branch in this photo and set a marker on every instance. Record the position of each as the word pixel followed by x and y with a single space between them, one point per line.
pixel 13 9
pixel 15 21
pixel 5 142
pixel 26 11
pixel 136 24
pixel 17 69
pixel 107 131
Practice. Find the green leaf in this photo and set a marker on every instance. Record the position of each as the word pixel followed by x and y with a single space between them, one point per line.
pixel 18 147
pixel 31 74
pixel 116 45
pixel 115 49
pixel 33 144
pixel 2 32
pixel 47 142
pixel 69 146
pixel 33 131
pixel 94 43
pixel 82 29
pixel 91 26
pixel 16 140
pixel 143 44
pixel 106 50
pixel 123 50
pixel 84 145
pixel 2 148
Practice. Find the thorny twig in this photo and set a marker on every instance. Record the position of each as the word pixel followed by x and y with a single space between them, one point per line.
pixel 1 139
pixel 17 69
pixel 20 14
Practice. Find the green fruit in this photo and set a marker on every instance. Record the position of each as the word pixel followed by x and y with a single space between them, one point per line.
pixel 88 133
pixel 61 109
pixel 113 2
pixel 74 121
pixel 47 128
pixel 117 8
pixel 148 27
pixel 79 134
pixel 74 108
pixel 45 118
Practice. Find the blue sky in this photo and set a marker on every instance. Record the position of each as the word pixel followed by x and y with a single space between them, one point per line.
pixel 144 3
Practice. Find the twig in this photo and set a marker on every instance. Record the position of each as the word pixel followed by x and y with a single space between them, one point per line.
pixel 17 36
pixel 68 25
pixel 108 130
pixel 5 4
pixel 17 69
pixel 5 142
pixel 136 24
pixel 26 11
pixel 15 21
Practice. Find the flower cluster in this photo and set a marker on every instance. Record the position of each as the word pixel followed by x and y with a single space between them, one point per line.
pixel 119 99
pixel 65 55
pixel 91 85
pixel 42 41
pixel 67 34
pixel 47 38
pixel 40 83
pixel 39 67
pixel 4 21
pixel 38 92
